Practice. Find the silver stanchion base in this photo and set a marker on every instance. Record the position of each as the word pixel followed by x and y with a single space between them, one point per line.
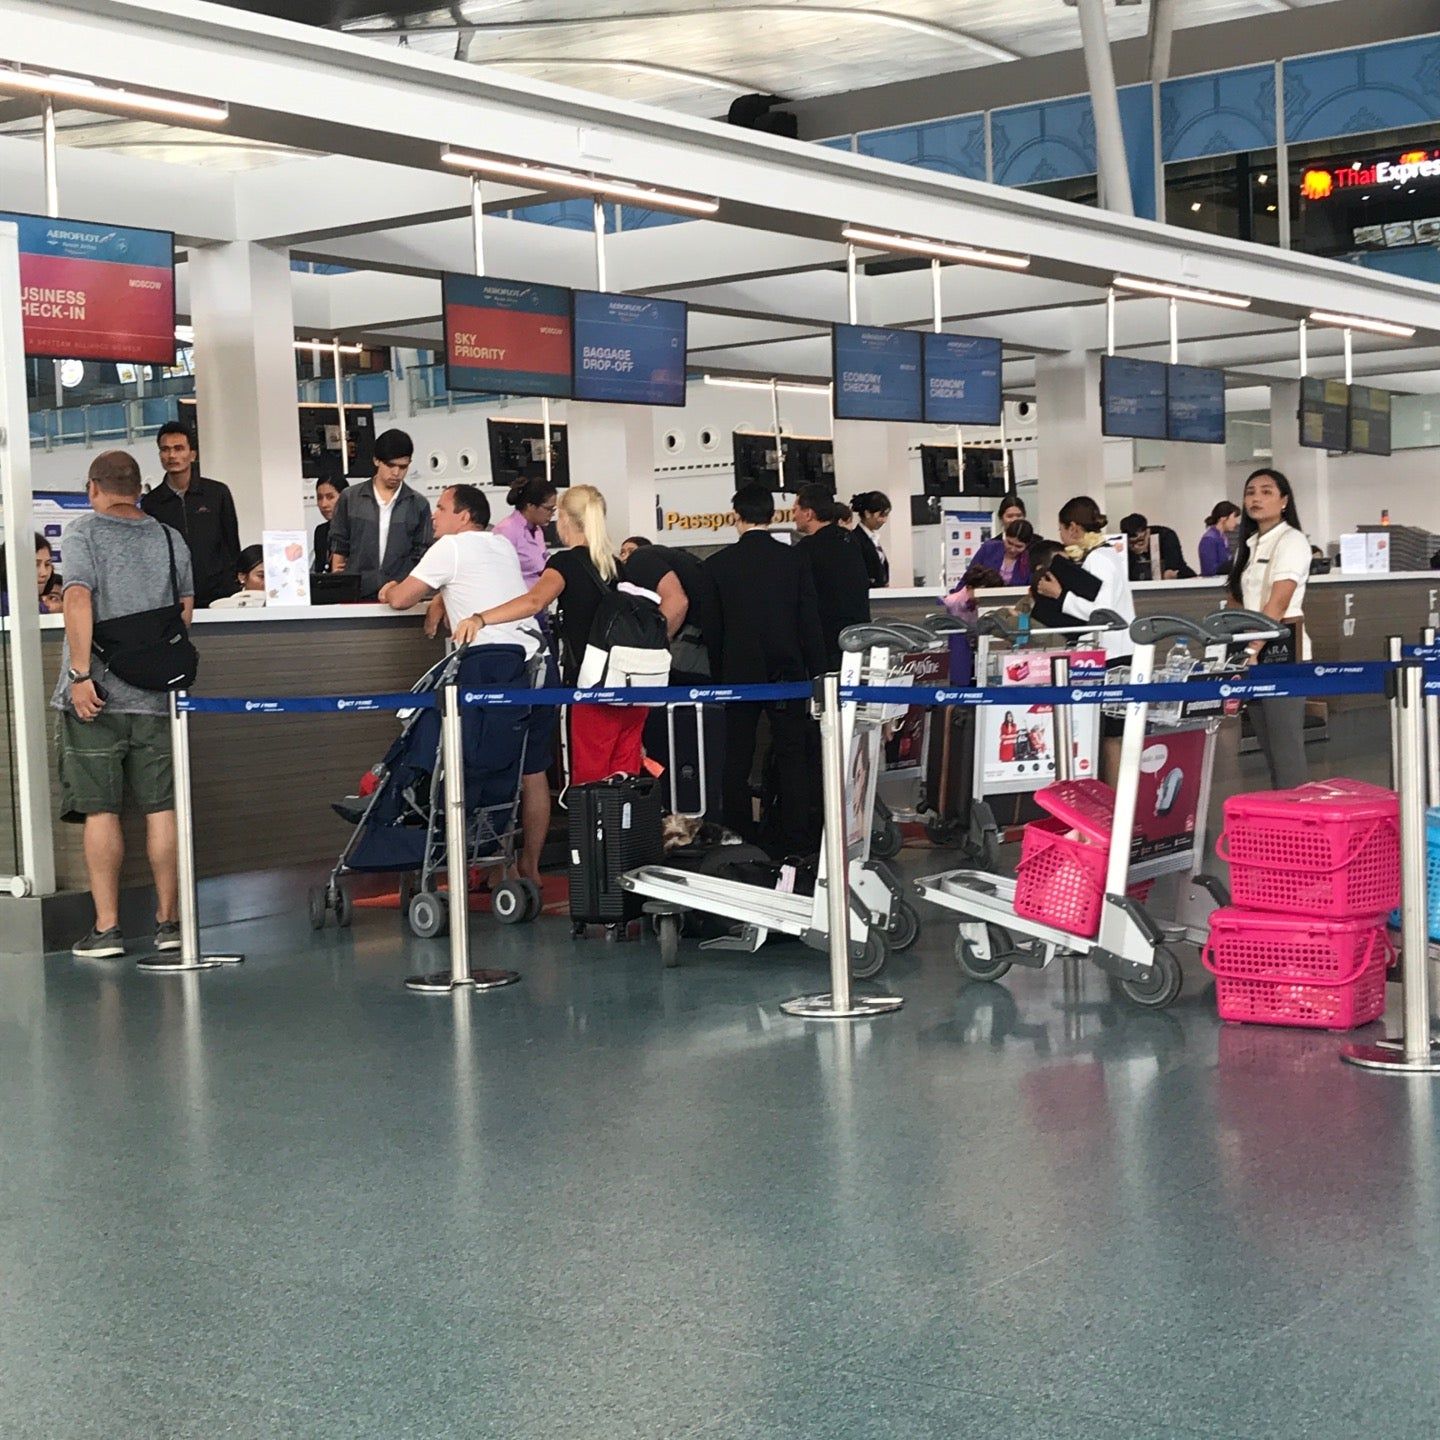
pixel 443 983
pixel 1390 1055
pixel 822 1007
pixel 163 965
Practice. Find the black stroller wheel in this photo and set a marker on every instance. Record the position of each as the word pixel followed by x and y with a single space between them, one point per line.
pixel 319 907
pixel 429 916
pixel 534 900
pixel 344 907
pixel 509 902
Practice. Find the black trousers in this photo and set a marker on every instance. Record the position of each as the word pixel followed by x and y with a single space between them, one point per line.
pixel 794 750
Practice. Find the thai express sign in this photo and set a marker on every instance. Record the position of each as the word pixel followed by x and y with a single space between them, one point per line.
pixel 96 292
pixel 1413 165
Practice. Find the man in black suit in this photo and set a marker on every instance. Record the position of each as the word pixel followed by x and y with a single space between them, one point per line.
pixel 766 630
pixel 842 584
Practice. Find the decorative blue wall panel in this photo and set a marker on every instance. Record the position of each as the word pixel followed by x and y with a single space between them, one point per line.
pixel 954 147
pixel 1379 87
pixel 1224 114
pixel 633 219
pixel 1034 144
pixel 576 214
pixel 840 142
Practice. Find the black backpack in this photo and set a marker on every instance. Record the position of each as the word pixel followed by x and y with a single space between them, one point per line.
pixel 629 642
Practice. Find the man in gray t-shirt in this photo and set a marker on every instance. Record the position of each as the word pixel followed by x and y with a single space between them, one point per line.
pixel 114 736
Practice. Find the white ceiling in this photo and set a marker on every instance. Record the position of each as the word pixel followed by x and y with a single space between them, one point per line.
pixel 719 49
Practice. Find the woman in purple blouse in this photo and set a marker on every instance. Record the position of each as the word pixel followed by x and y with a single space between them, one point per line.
pixel 524 527
pixel 1007 553
pixel 1215 554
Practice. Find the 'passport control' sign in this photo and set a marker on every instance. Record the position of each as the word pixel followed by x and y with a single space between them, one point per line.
pixel 96 292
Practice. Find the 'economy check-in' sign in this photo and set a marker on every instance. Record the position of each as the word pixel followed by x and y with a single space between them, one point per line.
pixel 96 292
pixel 506 337
pixel 877 373
pixel 962 380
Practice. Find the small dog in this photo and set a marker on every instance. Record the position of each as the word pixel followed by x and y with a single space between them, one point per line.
pixel 684 832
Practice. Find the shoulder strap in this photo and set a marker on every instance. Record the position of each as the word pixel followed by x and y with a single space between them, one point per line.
pixel 170 547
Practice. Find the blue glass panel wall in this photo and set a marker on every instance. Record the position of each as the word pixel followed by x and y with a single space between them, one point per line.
pixel 1379 87
pixel 1034 144
pixel 1224 114
pixel 1137 124
pixel 954 147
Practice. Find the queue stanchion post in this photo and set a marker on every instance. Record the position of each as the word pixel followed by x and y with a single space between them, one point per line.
pixel 1415 1051
pixel 1396 650
pixel 839 1003
pixel 1432 727
pixel 190 958
pixel 460 976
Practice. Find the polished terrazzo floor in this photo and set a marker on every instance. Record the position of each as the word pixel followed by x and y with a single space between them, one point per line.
pixel 614 1201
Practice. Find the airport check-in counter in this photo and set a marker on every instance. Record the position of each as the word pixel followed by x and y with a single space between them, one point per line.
pixel 1347 617
pixel 263 784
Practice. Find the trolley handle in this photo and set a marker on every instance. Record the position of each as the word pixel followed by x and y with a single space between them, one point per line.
pixel 946 625
pixel 1233 626
pixel 993 623
pixel 1152 629
pixel 892 634
pixel 1379 937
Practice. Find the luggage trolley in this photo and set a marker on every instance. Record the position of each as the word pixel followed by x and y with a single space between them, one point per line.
pixel 883 917
pixel 1033 762
pixel 1130 944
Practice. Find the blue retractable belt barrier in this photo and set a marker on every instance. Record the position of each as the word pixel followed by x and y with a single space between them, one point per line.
pixel 1269 682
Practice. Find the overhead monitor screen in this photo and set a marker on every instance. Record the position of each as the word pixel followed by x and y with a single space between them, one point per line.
pixel 939 470
pixel 1324 414
pixel 506 337
pixel 962 380
pixel 629 350
pixel 96 292
pixel 1196 403
pixel 1369 420
pixel 517 452
pixel 757 459
pixel 1132 397
pixel 877 373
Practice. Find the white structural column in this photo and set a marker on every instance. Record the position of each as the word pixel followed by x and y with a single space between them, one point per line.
pixel 1070 449
pixel 1307 470
pixel 1184 492
pixel 1109 138
pixel 30 786
pixel 872 456
pixel 612 447
pixel 244 318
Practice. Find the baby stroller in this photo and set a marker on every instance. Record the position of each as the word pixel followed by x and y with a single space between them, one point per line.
pixel 400 826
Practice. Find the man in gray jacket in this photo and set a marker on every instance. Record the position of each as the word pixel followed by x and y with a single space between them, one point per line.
pixel 381 529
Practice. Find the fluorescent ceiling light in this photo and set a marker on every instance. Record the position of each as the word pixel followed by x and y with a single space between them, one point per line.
pixel 793 387
pixel 74 87
pixel 548 178
pixel 935 249
pixel 1358 322
pixel 1181 292
pixel 328 348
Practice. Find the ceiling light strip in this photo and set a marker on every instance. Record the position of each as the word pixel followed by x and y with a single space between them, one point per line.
pixel 328 347
pixel 74 87
pixel 1182 292
pixel 791 387
pixel 548 178
pixel 933 249
pixel 1358 322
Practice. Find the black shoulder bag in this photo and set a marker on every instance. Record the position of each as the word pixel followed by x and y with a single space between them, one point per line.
pixel 150 649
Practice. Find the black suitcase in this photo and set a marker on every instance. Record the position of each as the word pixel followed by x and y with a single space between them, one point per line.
pixel 688 740
pixel 614 827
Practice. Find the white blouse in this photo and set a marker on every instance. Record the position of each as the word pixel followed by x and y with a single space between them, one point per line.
pixel 1281 553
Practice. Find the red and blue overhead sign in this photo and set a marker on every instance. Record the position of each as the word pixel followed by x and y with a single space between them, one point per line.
pixel 96 292
pixel 506 337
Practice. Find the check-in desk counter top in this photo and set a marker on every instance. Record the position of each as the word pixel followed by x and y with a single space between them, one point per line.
pixel 1347 617
pixel 263 784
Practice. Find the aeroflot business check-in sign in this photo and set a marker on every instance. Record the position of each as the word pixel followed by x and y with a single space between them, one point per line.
pixel 96 292
pixel 506 337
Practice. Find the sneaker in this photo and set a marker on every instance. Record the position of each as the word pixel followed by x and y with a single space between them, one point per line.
pixel 167 935
pixel 100 945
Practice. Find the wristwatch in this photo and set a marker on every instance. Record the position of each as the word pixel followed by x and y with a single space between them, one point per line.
pixel 76 676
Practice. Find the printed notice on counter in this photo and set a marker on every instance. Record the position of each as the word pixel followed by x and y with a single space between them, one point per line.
pixel 287 567
pixel 1367 553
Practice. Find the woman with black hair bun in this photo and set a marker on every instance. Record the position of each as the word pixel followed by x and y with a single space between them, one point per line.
pixel 533 508
pixel 1222 522
pixel 872 510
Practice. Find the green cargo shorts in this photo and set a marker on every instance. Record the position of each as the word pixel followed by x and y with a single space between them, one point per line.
pixel 101 758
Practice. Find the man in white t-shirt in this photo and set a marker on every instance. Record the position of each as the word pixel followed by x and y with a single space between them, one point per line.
pixel 473 570
pixel 470 568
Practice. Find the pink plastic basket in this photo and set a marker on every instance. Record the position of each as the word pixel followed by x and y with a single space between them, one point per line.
pixel 1061 882
pixel 1084 805
pixel 1328 849
pixel 1296 970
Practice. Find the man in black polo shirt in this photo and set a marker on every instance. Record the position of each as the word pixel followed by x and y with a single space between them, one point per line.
pixel 201 510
